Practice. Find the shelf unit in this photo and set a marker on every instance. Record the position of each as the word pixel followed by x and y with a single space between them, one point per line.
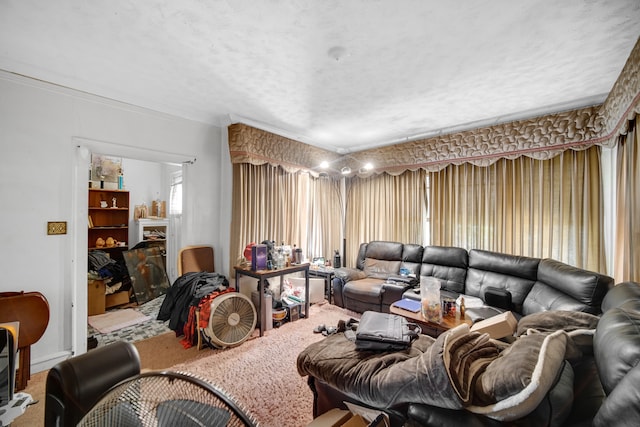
pixel 152 229
pixel 110 221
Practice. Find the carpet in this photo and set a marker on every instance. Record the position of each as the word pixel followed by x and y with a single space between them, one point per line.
pixel 261 373
pixel 114 320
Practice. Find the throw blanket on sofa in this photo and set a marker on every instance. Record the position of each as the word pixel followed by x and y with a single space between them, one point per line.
pixel 438 371
pixel 459 369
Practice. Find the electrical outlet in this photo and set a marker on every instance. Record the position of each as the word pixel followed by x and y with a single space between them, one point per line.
pixel 56 227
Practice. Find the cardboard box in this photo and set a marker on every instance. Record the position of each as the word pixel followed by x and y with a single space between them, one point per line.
pixel 333 418
pixel 354 416
pixel 118 298
pixel 499 326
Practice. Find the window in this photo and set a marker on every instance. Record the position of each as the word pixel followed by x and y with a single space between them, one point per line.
pixel 175 195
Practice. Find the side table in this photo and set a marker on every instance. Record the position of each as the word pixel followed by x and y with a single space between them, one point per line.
pixel 326 273
pixel 263 275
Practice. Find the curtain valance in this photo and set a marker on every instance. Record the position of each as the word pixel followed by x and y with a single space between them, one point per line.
pixel 540 138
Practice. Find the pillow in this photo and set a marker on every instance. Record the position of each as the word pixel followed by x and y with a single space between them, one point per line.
pixel 514 384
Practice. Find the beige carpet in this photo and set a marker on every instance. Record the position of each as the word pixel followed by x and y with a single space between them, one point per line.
pixel 260 373
pixel 118 319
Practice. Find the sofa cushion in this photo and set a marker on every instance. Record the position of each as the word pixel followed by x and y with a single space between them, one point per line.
pixel 560 286
pixel 449 264
pixel 366 290
pixel 412 257
pixel 616 346
pixel 381 269
pixel 515 383
pixel 621 294
pixel 515 274
pixel 349 274
pixel 389 251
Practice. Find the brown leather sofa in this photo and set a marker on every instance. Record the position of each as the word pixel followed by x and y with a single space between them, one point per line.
pixel 596 380
pixel 522 285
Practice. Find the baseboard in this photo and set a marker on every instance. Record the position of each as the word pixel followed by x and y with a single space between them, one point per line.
pixel 46 363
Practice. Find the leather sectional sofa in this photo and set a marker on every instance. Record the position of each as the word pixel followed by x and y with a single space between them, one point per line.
pixel 522 285
pixel 564 368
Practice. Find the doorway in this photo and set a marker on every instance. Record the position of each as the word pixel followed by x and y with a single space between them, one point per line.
pixel 83 149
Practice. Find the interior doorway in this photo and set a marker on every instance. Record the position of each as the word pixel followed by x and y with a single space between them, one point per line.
pixel 83 149
pixel 134 213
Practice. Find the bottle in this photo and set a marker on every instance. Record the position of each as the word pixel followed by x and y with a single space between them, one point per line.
pixel 462 308
pixel 337 262
pixel 120 180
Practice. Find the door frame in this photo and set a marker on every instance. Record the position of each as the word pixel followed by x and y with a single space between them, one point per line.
pixel 82 149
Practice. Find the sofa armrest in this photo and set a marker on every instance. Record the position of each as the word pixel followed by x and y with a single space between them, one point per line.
pixel 425 415
pixel 392 292
pixel 349 274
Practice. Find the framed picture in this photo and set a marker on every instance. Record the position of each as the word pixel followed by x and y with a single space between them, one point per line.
pixel 105 168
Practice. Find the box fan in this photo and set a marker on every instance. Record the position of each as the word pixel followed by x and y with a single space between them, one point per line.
pixel 232 320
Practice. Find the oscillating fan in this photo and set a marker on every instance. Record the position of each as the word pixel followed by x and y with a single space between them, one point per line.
pixel 166 399
pixel 232 320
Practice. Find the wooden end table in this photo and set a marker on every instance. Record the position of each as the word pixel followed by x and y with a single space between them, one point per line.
pixel 432 329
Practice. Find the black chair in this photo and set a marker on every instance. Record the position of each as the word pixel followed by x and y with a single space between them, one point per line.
pixel 75 385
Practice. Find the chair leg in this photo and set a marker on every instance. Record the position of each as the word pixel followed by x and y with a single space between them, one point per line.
pixel 23 373
pixel 198 329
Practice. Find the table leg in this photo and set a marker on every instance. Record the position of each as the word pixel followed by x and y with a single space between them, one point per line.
pixel 306 295
pixel 262 307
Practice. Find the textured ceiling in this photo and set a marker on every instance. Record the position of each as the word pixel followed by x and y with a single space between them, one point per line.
pixel 403 69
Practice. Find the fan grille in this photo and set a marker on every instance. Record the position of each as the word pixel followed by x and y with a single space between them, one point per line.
pixel 233 319
pixel 166 399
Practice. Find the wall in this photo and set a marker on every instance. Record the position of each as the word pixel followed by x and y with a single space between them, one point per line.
pixel 46 136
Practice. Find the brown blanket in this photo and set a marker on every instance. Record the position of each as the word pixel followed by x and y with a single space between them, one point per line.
pixel 438 372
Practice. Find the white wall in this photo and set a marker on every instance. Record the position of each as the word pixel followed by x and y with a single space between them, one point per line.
pixel 46 134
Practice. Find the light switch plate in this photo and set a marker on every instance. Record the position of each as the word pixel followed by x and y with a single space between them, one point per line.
pixel 56 227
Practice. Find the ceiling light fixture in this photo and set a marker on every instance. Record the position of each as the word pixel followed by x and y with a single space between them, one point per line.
pixel 324 164
pixel 337 53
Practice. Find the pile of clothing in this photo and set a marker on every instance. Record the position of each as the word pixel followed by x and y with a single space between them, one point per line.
pixel 189 293
pixel 102 266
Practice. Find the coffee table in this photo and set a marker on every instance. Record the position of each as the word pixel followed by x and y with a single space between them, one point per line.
pixel 432 329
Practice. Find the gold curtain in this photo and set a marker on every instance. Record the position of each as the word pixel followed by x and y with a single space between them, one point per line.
pixel 326 217
pixel 272 204
pixel 627 255
pixel 384 207
pixel 541 208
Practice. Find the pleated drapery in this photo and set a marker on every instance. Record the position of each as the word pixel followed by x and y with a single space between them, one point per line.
pixel 295 208
pixel 540 208
pixel 627 242
pixel 385 207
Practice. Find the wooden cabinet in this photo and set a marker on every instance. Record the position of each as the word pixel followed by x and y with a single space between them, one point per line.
pixel 108 218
